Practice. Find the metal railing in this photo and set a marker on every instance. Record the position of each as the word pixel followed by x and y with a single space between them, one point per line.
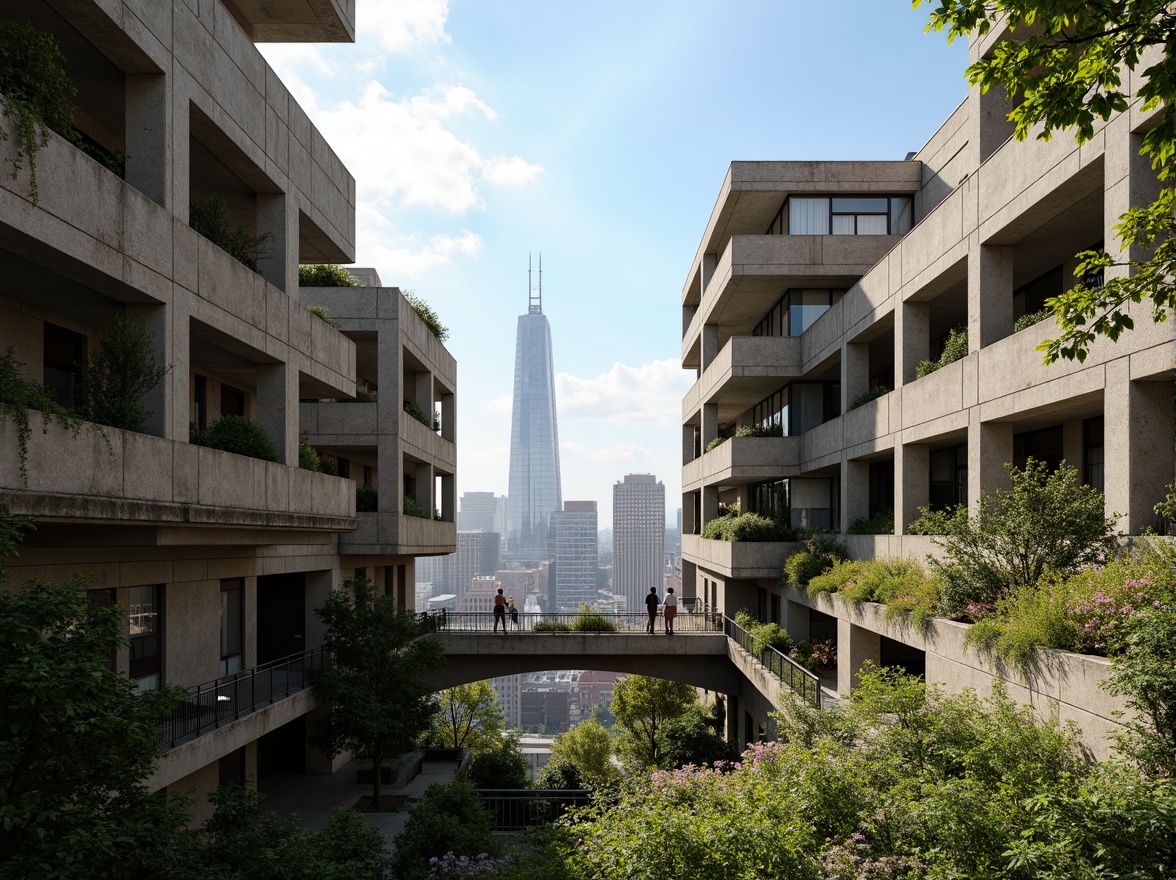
pixel 803 683
pixel 690 619
pixel 224 700
pixel 516 809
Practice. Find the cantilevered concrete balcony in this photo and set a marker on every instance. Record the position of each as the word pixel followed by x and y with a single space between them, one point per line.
pixel 755 270
pixel 297 21
pixel 745 371
pixel 742 460
pixel 425 444
pixel 738 559
pixel 175 492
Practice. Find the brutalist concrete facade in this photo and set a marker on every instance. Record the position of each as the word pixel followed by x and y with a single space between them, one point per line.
pixel 179 534
pixel 992 229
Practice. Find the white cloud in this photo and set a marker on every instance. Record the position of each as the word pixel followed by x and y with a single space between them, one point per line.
pixel 616 452
pixel 500 404
pixel 403 24
pixel 646 394
pixel 401 257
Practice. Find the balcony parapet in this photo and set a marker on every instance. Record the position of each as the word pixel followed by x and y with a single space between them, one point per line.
pixel 426 444
pixel 113 477
pixel 427 537
pixel 339 423
pixel 746 370
pixel 738 559
pixel 744 460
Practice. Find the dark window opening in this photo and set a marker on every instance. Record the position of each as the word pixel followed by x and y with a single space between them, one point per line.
pixel 200 403
pixel 881 497
pixel 145 617
pixel 770 499
pixel 822 627
pixel 796 311
pixel 65 351
pixel 1044 445
pixel 232 402
pixel 1031 297
pixel 949 477
pixel 1092 452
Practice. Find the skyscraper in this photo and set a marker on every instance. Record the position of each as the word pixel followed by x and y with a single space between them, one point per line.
pixel 534 490
pixel 639 533
pixel 482 512
pixel 575 554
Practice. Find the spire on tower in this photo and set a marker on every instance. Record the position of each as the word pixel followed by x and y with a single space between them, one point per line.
pixel 534 296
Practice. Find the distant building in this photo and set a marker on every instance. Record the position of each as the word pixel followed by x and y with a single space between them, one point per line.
pixel 523 582
pixel 507 687
pixel 639 533
pixel 482 512
pixel 575 555
pixel 479 596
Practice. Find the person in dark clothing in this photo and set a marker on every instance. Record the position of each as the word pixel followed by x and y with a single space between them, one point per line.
pixel 500 612
pixel 651 603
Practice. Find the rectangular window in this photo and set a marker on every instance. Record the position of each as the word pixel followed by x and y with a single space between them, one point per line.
pixel 844 215
pixel 808 216
pixel 64 353
pixel 1044 445
pixel 232 626
pixel 949 477
pixel 145 617
pixel 1031 297
pixel 770 499
pixel 232 401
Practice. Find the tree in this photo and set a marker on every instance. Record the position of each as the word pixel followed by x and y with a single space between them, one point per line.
pixel 376 702
pixel 643 705
pixel 1066 65
pixel 1145 673
pixel 449 819
pixel 559 773
pixel 588 748
pixel 469 716
pixel 692 739
pixel 501 767
pixel 76 742
pixel 1047 522
pixel 118 372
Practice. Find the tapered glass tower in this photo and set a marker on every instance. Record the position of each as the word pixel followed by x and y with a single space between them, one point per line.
pixel 534 492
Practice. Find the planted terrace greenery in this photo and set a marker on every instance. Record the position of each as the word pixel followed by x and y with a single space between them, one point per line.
pixel 954 348
pixel 426 313
pixel 752 527
pixel 18 396
pixel 866 396
pixel 1026 321
pixel 322 314
pixel 878 524
pixel 240 435
pixel 210 218
pixel 325 275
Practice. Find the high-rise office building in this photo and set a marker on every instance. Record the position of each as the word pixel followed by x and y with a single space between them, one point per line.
pixel 639 533
pixel 482 512
pixel 575 554
pixel 534 491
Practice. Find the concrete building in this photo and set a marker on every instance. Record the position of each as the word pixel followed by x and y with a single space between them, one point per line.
pixel 575 555
pixel 639 533
pixel 534 492
pixel 219 559
pixel 482 512
pixel 478 596
pixel 816 282
pixel 508 689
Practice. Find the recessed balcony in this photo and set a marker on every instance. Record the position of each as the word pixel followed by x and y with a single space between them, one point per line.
pixel 745 371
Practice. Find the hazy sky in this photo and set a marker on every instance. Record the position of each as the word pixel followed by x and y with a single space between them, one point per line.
pixel 598 135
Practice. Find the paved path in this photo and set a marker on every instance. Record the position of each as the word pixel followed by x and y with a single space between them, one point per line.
pixel 315 796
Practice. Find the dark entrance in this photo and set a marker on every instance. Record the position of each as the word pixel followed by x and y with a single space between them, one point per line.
pixel 281 616
pixel 911 660
pixel 283 750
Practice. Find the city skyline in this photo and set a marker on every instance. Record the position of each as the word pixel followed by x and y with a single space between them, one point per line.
pixel 496 139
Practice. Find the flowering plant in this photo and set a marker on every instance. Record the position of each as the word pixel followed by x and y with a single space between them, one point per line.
pixel 1102 619
pixel 453 865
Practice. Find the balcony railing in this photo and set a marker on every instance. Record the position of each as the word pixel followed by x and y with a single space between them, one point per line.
pixel 691 618
pixel 517 809
pixel 225 700
pixel 803 683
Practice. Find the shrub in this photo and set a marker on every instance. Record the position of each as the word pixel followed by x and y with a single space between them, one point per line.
pixel 417 413
pixel 752 527
pixel 936 522
pixel 552 626
pixel 240 435
pixel 1026 321
pixel 322 314
pixel 118 372
pixel 449 818
pixel 18 396
pixel 501 767
pixel 770 635
pixel 411 508
pixel 954 348
pixel 310 460
pixel 866 396
pixel 844 571
pixel 878 524
pixel 329 466
pixel 817 557
pixel 716 443
pixel 426 314
pixel 210 218
pixel 325 275
pixel 773 430
pixel 1047 522
pixel 589 620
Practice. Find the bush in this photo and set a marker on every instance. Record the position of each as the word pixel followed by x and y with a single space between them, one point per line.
pixel 936 522
pixel 955 348
pixel 308 457
pixel 901 584
pixel 552 626
pixel 559 773
pixel 752 527
pixel 844 571
pixel 411 508
pixel 878 524
pixel 325 275
pixel 773 430
pixel 118 372
pixel 449 818
pixel 426 314
pixel 770 635
pixel 1048 522
pixel 818 556
pixel 322 314
pixel 502 767
pixel 592 621
pixel 417 413
pixel 210 218
pixel 1026 321
pixel 717 442
pixel 241 435
pixel 328 466
pixel 866 396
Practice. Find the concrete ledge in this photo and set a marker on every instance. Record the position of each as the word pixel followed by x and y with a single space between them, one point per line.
pixel 426 537
pixel 745 460
pixel 738 559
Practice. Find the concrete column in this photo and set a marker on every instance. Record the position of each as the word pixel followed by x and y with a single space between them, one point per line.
pixel 990 445
pixel 277 260
pixel 912 333
pixel 688 446
pixel 710 344
pixel 1137 446
pixel 688 313
pixel 710 424
pixel 855 645
pixel 990 295
pixel 1129 182
pixel 319 585
pixel 148 136
pixel 249 623
pixel 424 392
pixel 448 502
pixel 424 487
pixel 855 372
pixel 449 417
pixel 158 401
pixel 690 580
pixel 912 483
pixel 710 505
pixel 988 124
pixel 709 262
pixel 855 490
pixel 796 620
pixel 277 408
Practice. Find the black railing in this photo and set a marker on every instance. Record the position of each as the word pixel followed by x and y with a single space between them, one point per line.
pixel 803 683
pixel 516 809
pixel 688 620
pixel 224 700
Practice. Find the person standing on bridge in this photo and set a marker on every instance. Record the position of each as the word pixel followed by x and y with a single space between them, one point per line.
pixel 651 603
pixel 671 610
pixel 500 611
pixel 513 610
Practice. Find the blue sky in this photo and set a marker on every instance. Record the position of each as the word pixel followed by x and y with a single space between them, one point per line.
pixel 597 135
